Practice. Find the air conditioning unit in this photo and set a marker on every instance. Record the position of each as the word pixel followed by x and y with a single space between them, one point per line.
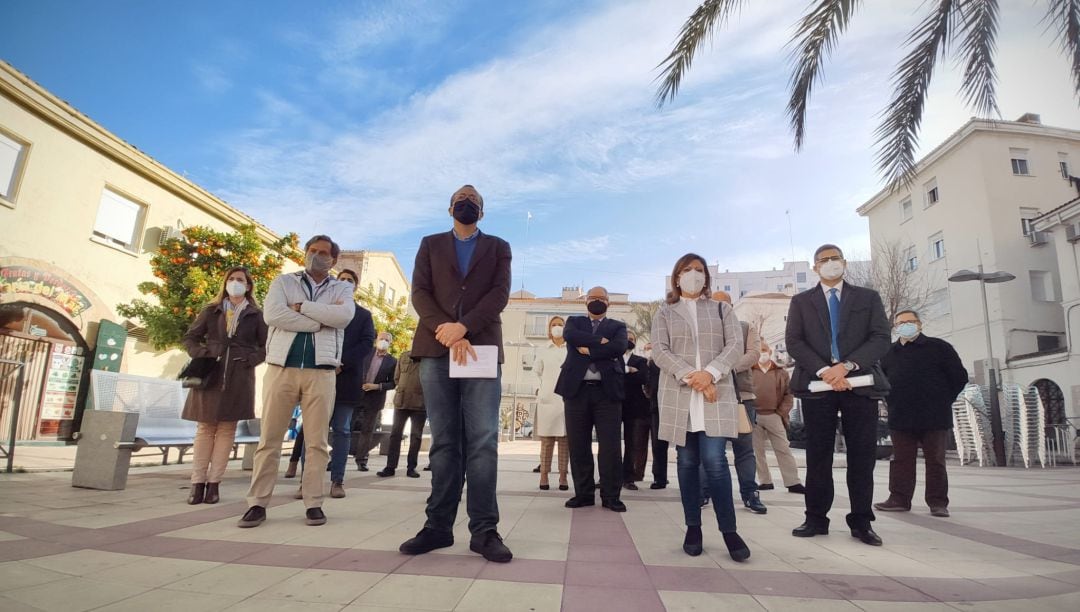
pixel 167 233
pixel 1039 238
pixel 1072 232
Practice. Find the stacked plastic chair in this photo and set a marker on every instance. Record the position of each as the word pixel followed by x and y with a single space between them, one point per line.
pixel 971 427
pixel 1033 425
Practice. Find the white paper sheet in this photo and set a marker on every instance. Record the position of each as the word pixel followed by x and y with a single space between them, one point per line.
pixel 486 364
pixel 866 380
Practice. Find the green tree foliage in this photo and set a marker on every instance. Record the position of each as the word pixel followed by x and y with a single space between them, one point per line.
pixel 190 272
pixel 389 317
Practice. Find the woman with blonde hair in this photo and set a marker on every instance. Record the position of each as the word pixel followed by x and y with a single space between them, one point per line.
pixel 550 421
pixel 695 343
pixel 231 331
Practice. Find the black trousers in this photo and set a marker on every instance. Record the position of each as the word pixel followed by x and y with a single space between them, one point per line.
pixel 590 408
pixel 416 436
pixel 659 449
pixel 635 447
pixel 365 420
pixel 859 418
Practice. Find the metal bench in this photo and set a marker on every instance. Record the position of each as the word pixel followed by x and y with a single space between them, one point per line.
pixel 165 433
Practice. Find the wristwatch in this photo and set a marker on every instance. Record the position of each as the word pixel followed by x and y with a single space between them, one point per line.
pixel 849 366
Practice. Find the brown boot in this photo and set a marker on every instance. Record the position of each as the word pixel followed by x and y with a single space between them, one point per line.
pixel 212 496
pixel 197 492
pixel 290 472
pixel 337 490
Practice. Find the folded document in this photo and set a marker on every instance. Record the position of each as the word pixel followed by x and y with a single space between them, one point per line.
pixel 866 380
pixel 486 364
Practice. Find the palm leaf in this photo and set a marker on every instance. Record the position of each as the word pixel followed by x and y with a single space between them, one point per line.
pixel 978 34
pixel 898 134
pixel 816 37
pixel 698 29
pixel 1065 14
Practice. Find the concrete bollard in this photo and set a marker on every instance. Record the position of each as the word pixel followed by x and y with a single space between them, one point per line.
pixel 103 456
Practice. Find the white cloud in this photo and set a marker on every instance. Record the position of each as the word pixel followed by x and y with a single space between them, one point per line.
pixel 211 79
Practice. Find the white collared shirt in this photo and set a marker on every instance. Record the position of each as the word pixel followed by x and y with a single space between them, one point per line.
pixel 839 290
pixel 697 399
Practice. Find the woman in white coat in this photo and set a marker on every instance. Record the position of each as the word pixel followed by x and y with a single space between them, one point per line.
pixel 550 422
pixel 696 342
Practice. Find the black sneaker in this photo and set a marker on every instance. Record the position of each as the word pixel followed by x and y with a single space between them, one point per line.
pixel 754 504
pixel 797 488
pixel 314 516
pixel 426 541
pixel 254 517
pixel 385 472
pixel 658 485
pixel 490 545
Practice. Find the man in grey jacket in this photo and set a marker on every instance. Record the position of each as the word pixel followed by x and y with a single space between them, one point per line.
pixel 307 313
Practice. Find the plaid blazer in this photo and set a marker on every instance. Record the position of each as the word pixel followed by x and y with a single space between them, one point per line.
pixel 673 351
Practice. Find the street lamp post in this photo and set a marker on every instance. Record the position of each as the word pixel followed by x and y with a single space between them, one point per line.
pixel 995 402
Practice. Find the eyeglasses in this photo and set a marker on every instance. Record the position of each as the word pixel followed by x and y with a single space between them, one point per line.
pixel 833 258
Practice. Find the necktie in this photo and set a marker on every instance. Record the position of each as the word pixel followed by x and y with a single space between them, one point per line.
pixel 834 323
pixel 595 326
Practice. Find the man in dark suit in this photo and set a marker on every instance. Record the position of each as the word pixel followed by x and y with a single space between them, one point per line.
pixel 835 330
pixel 659 447
pixel 378 379
pixel 635 417
pixel 461 283
pixel 592 387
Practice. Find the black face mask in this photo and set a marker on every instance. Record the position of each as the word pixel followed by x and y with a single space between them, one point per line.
pixel 597 307
pixel 630 345
pixel 466 212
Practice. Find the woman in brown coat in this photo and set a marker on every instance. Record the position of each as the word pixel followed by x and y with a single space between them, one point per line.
pixel 230 329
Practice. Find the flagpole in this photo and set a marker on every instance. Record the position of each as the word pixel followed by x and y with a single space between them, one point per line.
pixel 528 221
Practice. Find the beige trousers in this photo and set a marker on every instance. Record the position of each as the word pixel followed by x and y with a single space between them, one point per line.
pixel 210 453
pixel 283 389
pixel 770 427
pixel 547 448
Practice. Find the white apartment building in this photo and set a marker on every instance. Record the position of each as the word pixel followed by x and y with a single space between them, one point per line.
pixel 973 201
pixel 380 271
pixel 793 277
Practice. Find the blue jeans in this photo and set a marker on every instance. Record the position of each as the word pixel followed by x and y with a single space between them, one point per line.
pixel 745 461
pixel 702 451
pixel 340 433
pixel 464 418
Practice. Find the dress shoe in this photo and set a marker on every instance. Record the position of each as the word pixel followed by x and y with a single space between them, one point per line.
pixel 736 547
pixel 254 517
pixel 691 544
pixel 299 493
pixel 658 485
pixel 314 517
pixel 768 486
pixel 806 530
pixel 892 506
pixel 213 494
pixel 427 540
pixel 614 505
pixel 866 536
pixel 630 486
pixel 797 488
pixel 385 472
pixel 564 487
pixel 754 504
pixel 490 545
pixel 545 487
pixel 940 511
pixel 290 472
pixel 362 467
pixel 536 470
pixel 197 495
pixel 580 502
pixel 427 468
pixel 411 473
pixel 337 490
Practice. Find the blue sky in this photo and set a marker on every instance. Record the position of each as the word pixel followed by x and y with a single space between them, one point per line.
pixel 359 119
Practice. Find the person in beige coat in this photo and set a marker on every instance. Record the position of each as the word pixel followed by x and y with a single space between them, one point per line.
pixel 696 343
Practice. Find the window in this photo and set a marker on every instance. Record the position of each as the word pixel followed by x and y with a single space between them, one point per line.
pixel 1063 165
pixel 119 220
pixel 905 209
pixel 800 277
pixel 932 193
pixel 1019 159
pixel 1046 342
pixel 536 325
pixel 911 260
pixel 937 246
pixel 392 295
pixel 727 288
pixel 1042 286
pixel 382 290
pixel 1026 216
pixel 779 287
pixel 12 160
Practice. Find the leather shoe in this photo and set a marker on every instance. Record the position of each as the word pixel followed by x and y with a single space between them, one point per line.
pixel 545 487
pixel 614 505
pixel 942 512
pixel 314 516
pixel 754 504
pixel 806 530
pixel 891 506
pixel 692 542
pixel 426 541
pixel 580 502
pixel 490 545
pixel 563 487
pixel 254 517
pixel 197 495
pixel 658 485
pixel 797 488
pixel 866 536
pixel 362 467
pixel 768 486
pixel 736 547
pixel 385 472
pixel 412 473
pixel 213 493
pixel 630 486
pixel 337 490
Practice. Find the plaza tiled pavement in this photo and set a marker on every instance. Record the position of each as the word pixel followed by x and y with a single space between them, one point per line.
pixel 1013 543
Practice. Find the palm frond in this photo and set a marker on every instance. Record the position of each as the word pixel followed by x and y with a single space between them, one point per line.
pixel 1065 14
pixel 816 37
pixel 978 34
pixel 898 134
pixel 710 16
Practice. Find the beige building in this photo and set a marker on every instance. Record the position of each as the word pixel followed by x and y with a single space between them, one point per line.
pixel 380 271
pixel 81 213
pixel 974 201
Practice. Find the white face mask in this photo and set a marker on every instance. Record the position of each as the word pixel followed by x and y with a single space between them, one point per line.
pixel 692 281
pixel 831 270
pixel 382 345
pixel 765 358
pixel 556 331
pixel 235 288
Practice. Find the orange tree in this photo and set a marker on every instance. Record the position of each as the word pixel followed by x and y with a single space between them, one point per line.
pixel 389 317
pixel 190 271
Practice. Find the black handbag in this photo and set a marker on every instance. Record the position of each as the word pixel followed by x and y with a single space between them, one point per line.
pixel 196 374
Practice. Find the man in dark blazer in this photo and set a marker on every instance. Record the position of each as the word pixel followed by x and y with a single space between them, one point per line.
pixel 635 417
pixel 461 284
pixel 592 387
pixel 659 447
pixel 378 378
pixel 834 330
